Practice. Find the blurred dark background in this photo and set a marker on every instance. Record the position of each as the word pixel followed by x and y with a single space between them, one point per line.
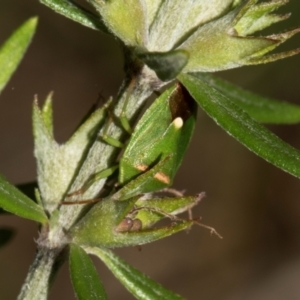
pixel 253 205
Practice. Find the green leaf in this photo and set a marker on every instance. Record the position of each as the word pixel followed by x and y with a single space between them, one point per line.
pixel 84 276
pixel 12 51
pixel 242 127
pixel 175 20
pixel 258 17
pixel 126 19
pixel 262 109
pixel 6 235
pixel 75 12
pixel 63 160
pixel 137 283
pixel 12 200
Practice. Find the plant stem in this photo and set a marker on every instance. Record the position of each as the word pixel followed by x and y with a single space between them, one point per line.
pixel 37 283
pixel 132 97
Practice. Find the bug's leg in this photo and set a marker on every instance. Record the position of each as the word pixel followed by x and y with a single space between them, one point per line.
pixel 123 118
pixel 124 124
pixel 96 177
pixel 171 191
pixel 174 218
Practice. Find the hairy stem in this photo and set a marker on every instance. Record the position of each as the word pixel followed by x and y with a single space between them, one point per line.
pixel 37 283
pixel 135 91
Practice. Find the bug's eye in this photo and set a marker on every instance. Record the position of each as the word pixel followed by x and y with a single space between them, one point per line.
pixel 125 225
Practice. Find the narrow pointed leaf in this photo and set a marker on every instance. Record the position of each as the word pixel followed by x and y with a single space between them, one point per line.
pixel 260 16
pixel 137 283
pixel 13 50
pixel 84 276
pixel 262 109
pixel 75 12
pixel 242 127
pixel 12 200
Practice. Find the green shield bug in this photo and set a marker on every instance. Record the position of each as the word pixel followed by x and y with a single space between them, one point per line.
pixel 163 133
pixel 158 142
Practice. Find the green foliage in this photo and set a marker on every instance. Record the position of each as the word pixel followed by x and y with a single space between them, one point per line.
pixel 11 53
pixel 262 109
pixel 103 226
pixel 138 284
pixel 13 50
pixel 162 40
pixel 242 127
pixel 61 160
pixel 12 200
pixel 85 279
pixel 149 163
pixel 75 12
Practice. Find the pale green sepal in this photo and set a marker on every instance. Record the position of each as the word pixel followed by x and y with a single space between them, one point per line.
pixel 14 201
pixel 272 57
pixel 58 164
pixel 85 279
pixel 152 9
pixel 124 18
pixel 258 17
pixel 77 13
pixel 167 65
pixel 213 47
pixel 262 109
pixel 176 19
pixel 221 44
pixel 137 283
pixel 242 127
pixel 279 38
pixel 13 50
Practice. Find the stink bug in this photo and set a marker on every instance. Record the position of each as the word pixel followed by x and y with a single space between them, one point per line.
pixel 163 133
pixel 160 138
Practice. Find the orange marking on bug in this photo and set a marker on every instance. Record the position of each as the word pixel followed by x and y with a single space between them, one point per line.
pixel 142 167
pixel 162 177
